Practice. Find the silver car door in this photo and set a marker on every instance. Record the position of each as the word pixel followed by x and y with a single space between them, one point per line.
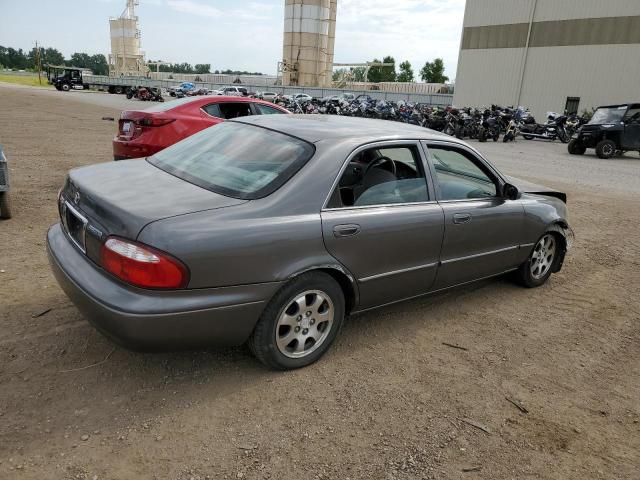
pixel 483 230
pixel 389 237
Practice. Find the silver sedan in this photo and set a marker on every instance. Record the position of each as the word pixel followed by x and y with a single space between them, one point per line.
pixel 271 229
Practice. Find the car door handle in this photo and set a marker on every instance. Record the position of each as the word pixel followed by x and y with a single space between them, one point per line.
pixel 346 230
pixel 461 218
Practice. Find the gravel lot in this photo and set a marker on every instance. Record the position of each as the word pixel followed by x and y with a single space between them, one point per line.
pixel 389 401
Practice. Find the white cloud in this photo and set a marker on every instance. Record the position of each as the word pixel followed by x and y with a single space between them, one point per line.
pixel 414 30
pixel 195 8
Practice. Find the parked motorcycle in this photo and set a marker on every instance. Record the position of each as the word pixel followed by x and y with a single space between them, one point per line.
pixel 150 94
pixel 554 128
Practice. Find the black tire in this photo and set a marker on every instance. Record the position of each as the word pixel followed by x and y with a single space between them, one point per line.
pixel 576 148
pixel 118 90
pixel 5 205
pixel 507 137
pixel 496 136
pixel 65 87
pixel 524 275
pixel 482 136
pixel 606 149
pixel 263 339
pixel 130 95
pixel 527 137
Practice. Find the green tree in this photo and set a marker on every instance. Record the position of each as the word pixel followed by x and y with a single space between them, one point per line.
pixel 433 72
pixel 48 56
pixel 203 67
pixel 406 72
pixel 383 74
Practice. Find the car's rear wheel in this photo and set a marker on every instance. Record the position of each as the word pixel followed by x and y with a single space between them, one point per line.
pixel 5 205
pixel 542 261
pixel 606 149
pixel 576 148
pixel 300 322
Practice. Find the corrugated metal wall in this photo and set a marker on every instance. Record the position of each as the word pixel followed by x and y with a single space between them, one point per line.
pixel 598 74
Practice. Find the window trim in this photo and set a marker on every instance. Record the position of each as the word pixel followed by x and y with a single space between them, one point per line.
pixel 476 158
pixel 256 106
pixel 208 114
pixel 383 144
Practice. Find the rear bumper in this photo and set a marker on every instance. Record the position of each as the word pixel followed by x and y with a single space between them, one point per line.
pixel 123 149
pixel 155 320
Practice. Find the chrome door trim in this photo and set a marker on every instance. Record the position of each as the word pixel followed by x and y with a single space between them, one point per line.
pixel 362 207
pixel 396 272
pixel 383 143
pixel 431 292
pixel 476 255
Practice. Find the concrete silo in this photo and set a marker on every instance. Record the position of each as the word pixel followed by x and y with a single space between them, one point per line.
pixel 126 58
pixel 309 36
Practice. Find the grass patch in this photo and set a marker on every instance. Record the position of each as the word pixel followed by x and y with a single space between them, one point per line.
pixel 28 80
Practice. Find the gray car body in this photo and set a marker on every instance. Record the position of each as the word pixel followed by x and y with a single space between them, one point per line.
pixel 239 252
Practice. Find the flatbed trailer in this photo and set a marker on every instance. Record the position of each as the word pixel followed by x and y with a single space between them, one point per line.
pixel 65 78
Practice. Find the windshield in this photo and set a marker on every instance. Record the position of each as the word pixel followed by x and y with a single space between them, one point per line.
pixel 608 115
pixel 236 160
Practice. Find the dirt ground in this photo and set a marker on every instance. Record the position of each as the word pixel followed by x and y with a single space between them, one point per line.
pixel 389 401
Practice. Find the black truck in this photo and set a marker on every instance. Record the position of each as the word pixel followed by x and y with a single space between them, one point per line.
pixel 613 129
pixel 65 78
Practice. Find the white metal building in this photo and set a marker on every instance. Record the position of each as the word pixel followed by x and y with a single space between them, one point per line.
pixel 549 55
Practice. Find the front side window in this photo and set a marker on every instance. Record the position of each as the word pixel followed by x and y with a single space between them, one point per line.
pixel 266 110
pixel 381 176
pixel 458 175
pixel 633 116
pixel 236 160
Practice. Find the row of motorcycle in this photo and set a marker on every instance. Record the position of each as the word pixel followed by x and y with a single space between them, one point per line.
pixel 471 122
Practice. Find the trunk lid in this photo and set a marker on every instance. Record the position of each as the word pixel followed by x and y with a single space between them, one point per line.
pixel 120 198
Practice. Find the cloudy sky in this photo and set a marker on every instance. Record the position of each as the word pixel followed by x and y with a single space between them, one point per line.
pixel 240 34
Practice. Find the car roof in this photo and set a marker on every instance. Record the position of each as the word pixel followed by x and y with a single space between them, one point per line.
pixel 201 100
pixel 315 128
pixel 630 105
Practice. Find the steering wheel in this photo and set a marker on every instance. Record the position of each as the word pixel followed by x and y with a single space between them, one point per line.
pixel 376 163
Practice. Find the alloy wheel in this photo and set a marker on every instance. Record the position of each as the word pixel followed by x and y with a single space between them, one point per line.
pixel 304 324
pixel 543 256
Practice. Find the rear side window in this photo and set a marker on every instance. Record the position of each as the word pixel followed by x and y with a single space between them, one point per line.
pixel 236 160
pixel 235 110
pixel 266 110
pixel 213 110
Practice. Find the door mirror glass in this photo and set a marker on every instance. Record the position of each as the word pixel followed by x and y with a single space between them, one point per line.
pixel 510 192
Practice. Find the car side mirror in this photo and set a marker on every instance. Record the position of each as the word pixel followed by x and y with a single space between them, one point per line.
pixel 510 192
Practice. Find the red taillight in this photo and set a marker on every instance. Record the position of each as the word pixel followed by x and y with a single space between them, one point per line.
pixel 154 121
pixel 141 265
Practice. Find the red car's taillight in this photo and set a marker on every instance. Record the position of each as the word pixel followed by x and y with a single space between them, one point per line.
pixel 141 265
pixel 154 121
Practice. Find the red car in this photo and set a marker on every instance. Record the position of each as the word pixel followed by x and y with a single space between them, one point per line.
pixel 142 133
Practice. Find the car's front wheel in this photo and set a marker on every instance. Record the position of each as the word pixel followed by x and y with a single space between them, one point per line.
pixel 606 149
pixel 542 261
pixel 300 322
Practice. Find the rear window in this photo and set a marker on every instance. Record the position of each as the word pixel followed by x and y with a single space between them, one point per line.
pixel 236 160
